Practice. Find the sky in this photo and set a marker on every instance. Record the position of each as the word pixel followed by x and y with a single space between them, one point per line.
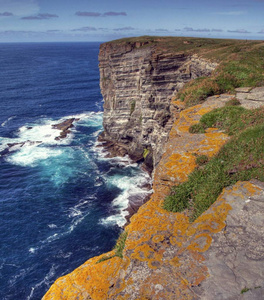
pixel 105 20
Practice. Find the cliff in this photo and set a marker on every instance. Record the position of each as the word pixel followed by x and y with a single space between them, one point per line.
pixel 162 254
pixel 138 81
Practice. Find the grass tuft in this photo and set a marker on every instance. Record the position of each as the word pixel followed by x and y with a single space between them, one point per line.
pixel 120 244
pixel 244 68
pixel 242 158
pixel 119 247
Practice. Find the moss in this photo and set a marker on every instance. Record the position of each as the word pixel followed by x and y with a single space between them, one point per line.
pixel 244 290
pixel 120 244
pixel 132 107
pixel 118 248
pixel 145 153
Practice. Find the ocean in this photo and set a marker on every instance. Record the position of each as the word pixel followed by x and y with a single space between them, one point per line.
pixel 62 201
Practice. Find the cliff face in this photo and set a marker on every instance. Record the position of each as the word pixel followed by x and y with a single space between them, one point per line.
pixel 219 255
pixel 137 83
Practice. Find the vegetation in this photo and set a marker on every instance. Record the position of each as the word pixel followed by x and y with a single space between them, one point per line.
pixel 240 69
pixel 145 152
pixel 132 107
pixel 201 160
pixel 242 158
pixel 244 290
pixel 119 247
pixel 120 244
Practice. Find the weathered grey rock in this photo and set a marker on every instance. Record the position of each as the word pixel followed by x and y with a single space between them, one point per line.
pixel 137 84
pixel 252 99
pixel 235 260
pixel 243 89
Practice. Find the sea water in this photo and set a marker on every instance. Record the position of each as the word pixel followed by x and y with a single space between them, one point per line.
pixel 61 200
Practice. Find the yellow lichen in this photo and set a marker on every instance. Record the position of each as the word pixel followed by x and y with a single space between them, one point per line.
pixel 157 237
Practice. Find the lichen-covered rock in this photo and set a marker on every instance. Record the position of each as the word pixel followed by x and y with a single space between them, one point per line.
pixel 235 260
pixel 137 83
pixel 158 242
pixel 220 255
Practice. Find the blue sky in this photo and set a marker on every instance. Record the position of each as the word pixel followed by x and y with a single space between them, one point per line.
pixel 104 20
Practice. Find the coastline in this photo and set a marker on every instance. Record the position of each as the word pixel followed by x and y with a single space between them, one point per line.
pixel 141 192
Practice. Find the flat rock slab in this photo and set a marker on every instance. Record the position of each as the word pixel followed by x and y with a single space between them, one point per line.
pixel 235 260
pixel 243 89
pixel 252 98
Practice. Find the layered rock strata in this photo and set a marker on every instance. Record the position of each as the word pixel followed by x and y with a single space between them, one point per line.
pixel 137 82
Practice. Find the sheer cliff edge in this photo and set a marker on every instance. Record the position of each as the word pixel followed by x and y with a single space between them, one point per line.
pixel 163 254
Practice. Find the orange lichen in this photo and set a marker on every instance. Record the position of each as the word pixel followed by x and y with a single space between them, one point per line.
pixel 201 243
pixel 159 241
pixel 158 238
pixel 87 280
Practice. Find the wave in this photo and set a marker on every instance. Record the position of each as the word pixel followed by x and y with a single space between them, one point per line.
pixel 36 142
pixel 76 214
pixel 6 121
pixel 131 187
pixel 45 281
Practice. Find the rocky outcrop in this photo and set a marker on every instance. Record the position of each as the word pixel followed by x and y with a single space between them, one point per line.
pixel 219 256
pixel 137 82
pixel 157 240
pixel 64 127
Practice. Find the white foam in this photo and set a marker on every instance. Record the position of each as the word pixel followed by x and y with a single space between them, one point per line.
pixel 129 186
pixel 32 250
pixel 36 137
pixel 52 226
pixel 6 121
pixel 30 155
pixel 45 281
pixel 74 212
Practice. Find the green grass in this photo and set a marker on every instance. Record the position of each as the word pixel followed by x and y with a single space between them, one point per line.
pixel 132 107
pixel 120 244
pixel 239 70
pixel 242 158
pixel 232 119
pixel 201 160
pixel 119 247
pixel 244 290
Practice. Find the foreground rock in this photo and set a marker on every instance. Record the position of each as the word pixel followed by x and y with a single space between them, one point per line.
pixel 156 238
pixel 235 260
pixel 250 98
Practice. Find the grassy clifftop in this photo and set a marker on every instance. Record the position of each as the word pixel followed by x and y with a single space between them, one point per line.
pixel 241 62
pixel 215 49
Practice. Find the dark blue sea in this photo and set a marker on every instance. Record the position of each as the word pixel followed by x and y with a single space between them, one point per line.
pixel 61 201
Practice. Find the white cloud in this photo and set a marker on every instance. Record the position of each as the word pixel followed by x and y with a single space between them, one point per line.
pixel 20 7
